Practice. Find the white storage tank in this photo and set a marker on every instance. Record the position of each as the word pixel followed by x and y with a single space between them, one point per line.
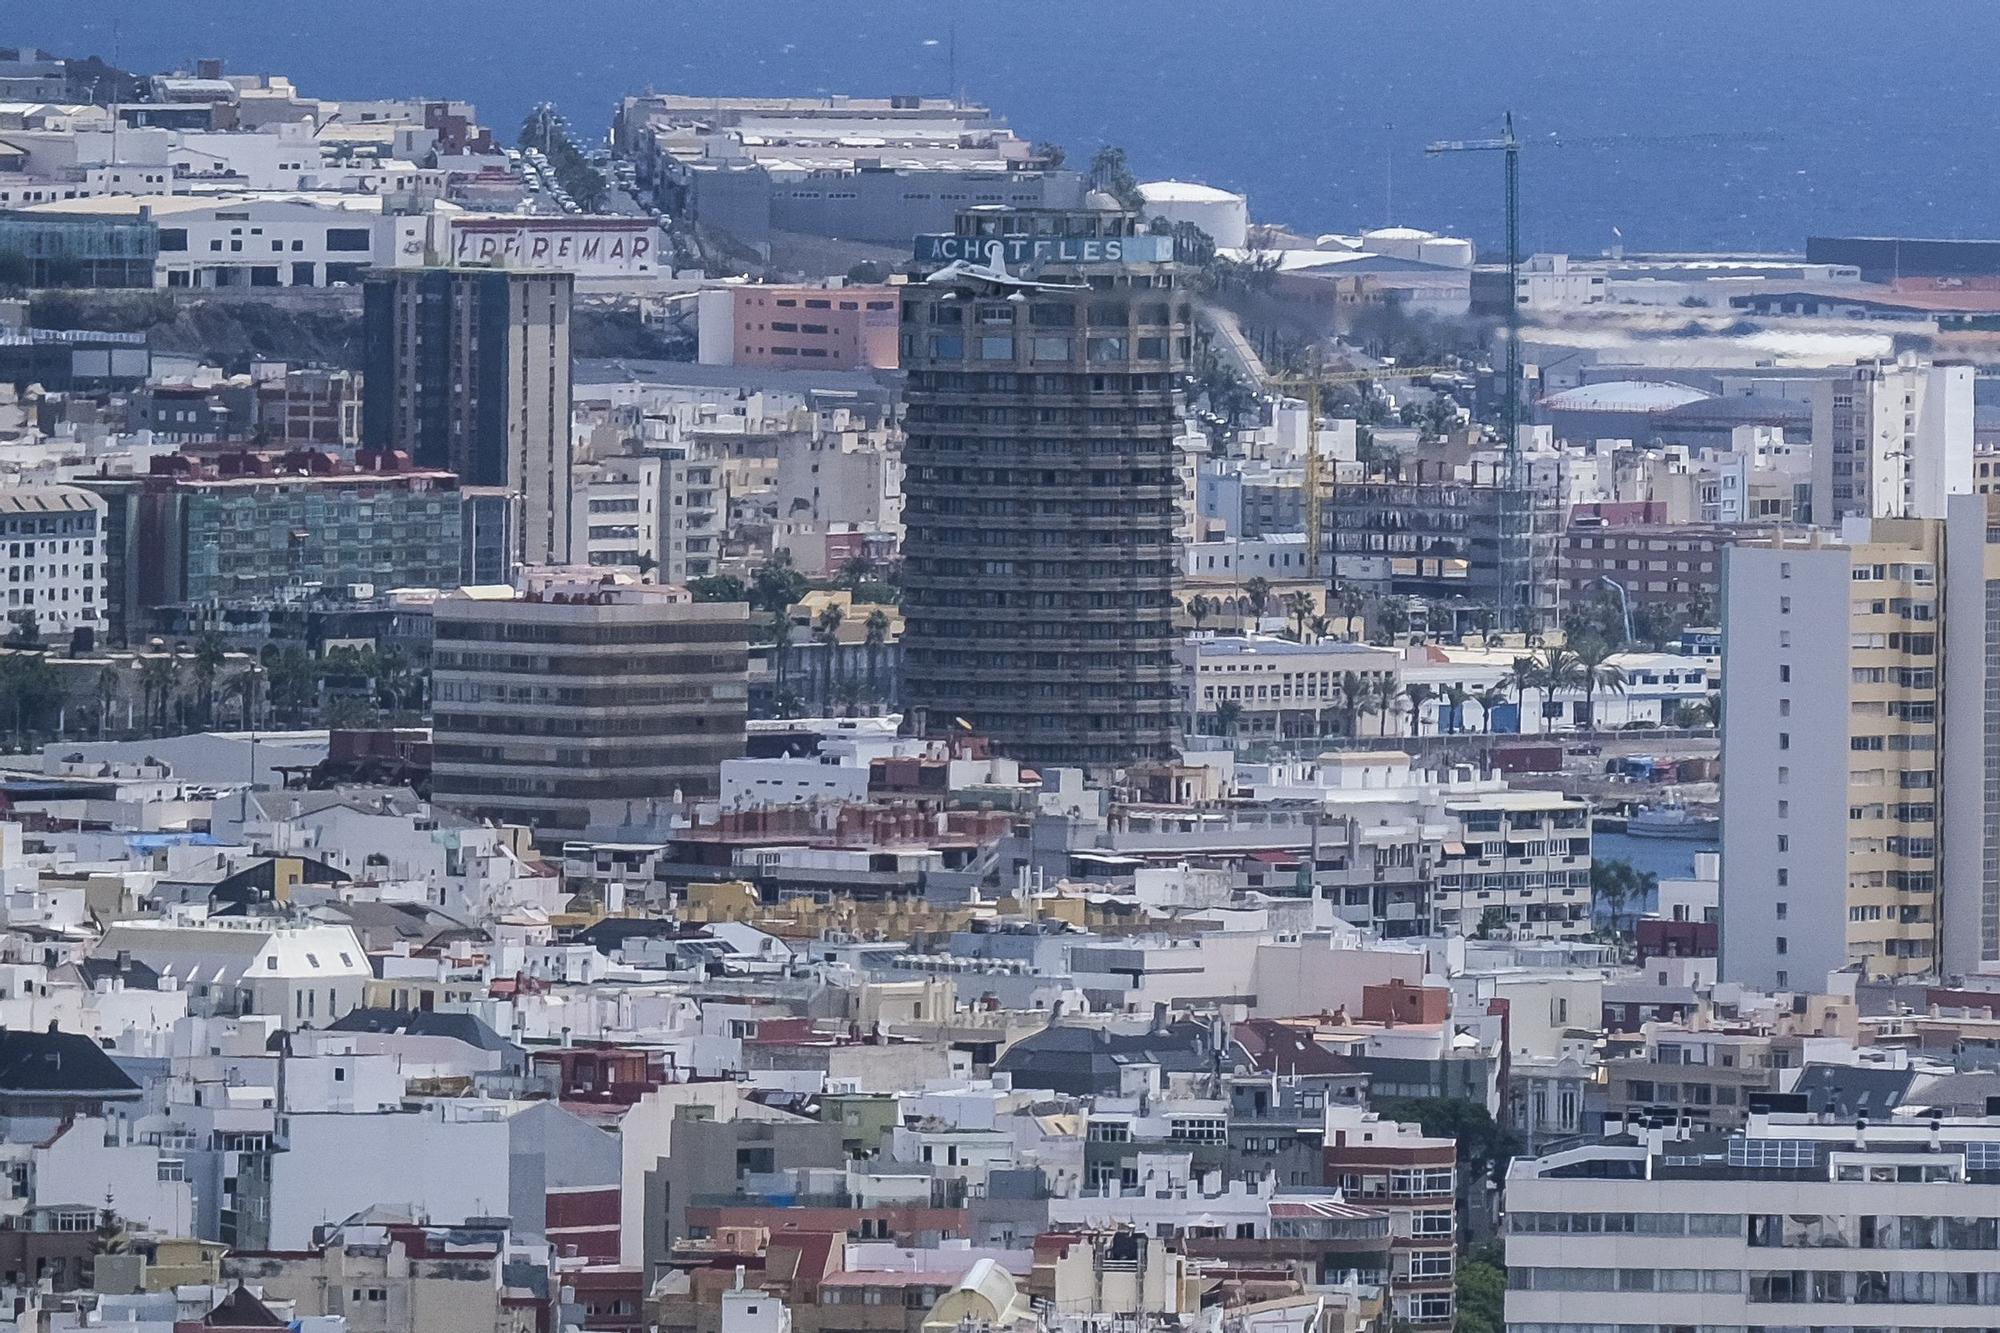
pixel 1224 216
pixel 1423 246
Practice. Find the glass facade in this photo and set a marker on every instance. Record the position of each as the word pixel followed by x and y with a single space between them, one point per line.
pixel 246 542
pixel 54 251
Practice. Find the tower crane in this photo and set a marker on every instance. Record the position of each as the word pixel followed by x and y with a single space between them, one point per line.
pixel 1516 501
pixel 1517 596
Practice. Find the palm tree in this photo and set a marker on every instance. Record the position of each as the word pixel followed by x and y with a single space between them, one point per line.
pixel 1561 670
pixel 1392 617
pixel 293 681
pixel 158 679
pixel 1354 697
pixel 1199 608
pixel 1456 696
pixel 242 687
pixel 1319 626
pixel 1227 714
pixel 1418 695
pixel 106 689
pixel 1299 605
pixel 826 628
pixel 1385 692
pixel 1524 675
pixel 1489 699
pixel 1597 673
pixel 1352 604
pixel 876 633
pixel 781 649
pixel 209 655
pixel 1258 590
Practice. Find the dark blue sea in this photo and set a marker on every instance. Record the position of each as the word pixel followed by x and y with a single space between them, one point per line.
pixel 1872 116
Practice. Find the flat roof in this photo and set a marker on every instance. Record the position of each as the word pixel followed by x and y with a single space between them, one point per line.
pixel 1236 647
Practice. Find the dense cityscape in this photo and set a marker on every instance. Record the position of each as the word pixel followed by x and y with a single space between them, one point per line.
pixel 761 714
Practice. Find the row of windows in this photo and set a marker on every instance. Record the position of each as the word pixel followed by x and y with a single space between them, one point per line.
pixel 1873 1287
pixel 1817 1231
pixel 1625 1224
pixel 1723 1280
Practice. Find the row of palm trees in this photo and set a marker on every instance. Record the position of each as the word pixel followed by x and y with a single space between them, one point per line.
pixel 1381 697
pixel 174 690
pixel 1549 672
pixel 832 688
pixel 1585 668
pixel 1351 608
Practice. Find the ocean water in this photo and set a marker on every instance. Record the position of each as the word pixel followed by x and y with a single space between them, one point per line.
pixel 1867 117
pixel 1667 858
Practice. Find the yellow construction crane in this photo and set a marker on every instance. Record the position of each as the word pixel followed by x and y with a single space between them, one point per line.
pixel 1308 387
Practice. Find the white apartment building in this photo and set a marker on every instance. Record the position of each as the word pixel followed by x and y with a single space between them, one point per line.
pixel 247 965
pixel 1523 857
pixel 52 538
pixel 1277 556
pixel 1464 840
pixel 1791 1223
pixel 297 239
pixel 1861 778
pixel 1278 687
pixel 621 508
pixel 1891 439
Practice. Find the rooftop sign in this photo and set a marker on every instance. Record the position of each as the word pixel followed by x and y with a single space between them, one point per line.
pixel 1021 251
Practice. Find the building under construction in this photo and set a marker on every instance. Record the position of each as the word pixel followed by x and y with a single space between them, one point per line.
pixel 1446 535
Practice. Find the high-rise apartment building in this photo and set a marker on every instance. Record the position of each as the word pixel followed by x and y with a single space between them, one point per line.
pixel 1891 439
pixel 469 370
pixel 1861 751
pixel 1040 487
pixel 579 699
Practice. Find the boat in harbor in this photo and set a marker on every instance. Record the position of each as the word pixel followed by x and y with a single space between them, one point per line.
pixel 1672 819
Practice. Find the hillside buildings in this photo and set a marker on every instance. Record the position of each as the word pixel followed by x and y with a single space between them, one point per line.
pixel 878 170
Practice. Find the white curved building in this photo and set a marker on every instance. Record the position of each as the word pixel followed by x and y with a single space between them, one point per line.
pixel 1224 216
